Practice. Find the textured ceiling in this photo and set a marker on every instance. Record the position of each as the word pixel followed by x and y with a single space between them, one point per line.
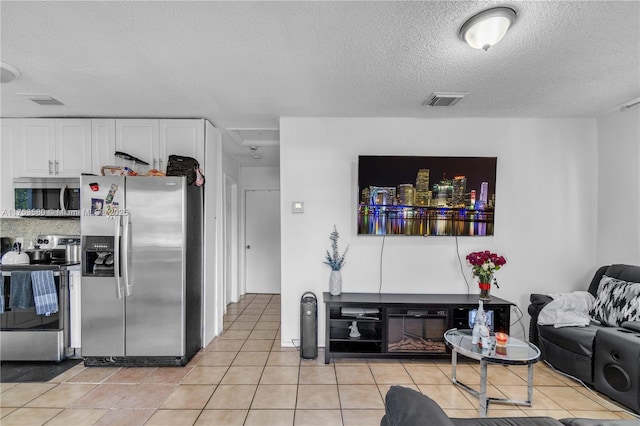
pixel 243 65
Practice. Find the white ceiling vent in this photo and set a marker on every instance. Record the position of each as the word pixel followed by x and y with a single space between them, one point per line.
pixel 444 99
pixel 41 99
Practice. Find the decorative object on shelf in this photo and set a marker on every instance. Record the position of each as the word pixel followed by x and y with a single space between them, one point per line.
pixel 480 332
pixel 501 343
pixel 335 262
pixel 485 290
pixel 354 330
pixel 335 283
pixel 483 265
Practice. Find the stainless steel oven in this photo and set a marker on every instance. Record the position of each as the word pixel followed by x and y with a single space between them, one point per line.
pixel 27 336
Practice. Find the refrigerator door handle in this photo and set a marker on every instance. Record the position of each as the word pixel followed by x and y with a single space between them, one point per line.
pixel 125 238
pixel 116 257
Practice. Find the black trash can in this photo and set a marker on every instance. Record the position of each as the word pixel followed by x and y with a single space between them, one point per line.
pixel 309 326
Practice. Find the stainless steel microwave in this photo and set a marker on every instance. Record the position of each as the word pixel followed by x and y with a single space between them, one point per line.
pixel 47 196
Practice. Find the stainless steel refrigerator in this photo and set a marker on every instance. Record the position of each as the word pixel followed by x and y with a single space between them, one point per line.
pixel 141 270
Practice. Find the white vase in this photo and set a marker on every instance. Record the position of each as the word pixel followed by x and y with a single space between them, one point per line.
pixel 335 283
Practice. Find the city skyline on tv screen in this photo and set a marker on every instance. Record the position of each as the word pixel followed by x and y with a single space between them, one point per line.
pixel 426 195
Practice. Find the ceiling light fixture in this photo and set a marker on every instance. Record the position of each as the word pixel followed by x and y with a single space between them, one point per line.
pixel 8 73
pixel 254 153
pixel 626 107
pixel 486 28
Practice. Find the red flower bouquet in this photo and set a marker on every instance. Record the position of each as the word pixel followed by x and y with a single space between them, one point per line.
pixel 483 265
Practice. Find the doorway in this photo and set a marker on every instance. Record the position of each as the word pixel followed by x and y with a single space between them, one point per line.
pixel 262 241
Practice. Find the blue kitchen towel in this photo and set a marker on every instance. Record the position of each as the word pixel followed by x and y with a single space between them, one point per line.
pixel 21 292
pixel 44 292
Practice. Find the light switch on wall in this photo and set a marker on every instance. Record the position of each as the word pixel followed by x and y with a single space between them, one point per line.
pixel 298 206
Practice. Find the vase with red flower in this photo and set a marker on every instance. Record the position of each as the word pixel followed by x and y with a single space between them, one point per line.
pixel 485 290
pixel 483 265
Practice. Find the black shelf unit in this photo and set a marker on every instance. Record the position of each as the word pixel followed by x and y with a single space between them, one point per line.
pixel 370 328
pixel 446 311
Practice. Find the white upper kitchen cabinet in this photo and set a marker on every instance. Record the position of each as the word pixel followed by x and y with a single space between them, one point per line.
pixel 181 137
pixel 103 141
pixel 53 147
pixel 35 148
pixel 9 129
pixel 139 138
pixel 67 147
pixel 154 140
pixel 73 147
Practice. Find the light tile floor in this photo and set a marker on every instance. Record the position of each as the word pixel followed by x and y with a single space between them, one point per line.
pixel 244 377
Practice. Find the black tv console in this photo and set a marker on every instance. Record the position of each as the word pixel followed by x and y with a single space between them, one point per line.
pixel 401 325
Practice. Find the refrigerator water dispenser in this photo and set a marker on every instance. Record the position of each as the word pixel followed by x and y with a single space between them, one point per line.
pixel 98 256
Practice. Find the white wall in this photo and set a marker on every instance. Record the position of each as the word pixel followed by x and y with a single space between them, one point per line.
pixel 213 306
pixel 230 166
pixel 230 223
pixel 618 196
pixel 260 177
pixel 545 216
pixel 8 137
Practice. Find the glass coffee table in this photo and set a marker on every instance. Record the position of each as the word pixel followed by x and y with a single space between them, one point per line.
pixel 517 353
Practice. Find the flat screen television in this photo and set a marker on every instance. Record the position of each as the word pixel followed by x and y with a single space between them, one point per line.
pixel 424 196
